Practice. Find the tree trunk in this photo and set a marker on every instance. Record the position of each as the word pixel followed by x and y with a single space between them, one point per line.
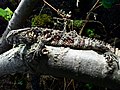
pixel 20 15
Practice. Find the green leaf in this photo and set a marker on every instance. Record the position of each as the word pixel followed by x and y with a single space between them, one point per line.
pixel 89 86
pixel 2 12
pixel 8 11
pixel 109 3
pixel 9 14
pixel 90 32
pixel 6 14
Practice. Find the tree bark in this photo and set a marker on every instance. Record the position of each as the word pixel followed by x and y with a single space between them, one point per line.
pixel 83 65
pixel 12 62
pixel 20 15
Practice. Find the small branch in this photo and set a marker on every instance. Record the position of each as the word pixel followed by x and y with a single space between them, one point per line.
pixel 53 8
pixel 87 17
pixel 90 21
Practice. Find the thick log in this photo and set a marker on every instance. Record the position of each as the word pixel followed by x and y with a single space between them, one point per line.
pixel 12 61
pixel 83 65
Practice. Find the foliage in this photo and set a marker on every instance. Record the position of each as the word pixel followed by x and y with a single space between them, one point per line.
pixel 109 3
pixel 71 24
pixel 6 13
pixel 89 86
pixel 77 23
pixel 41 20
pixel 90 32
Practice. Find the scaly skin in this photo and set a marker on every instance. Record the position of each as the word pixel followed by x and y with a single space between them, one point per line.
pixel 73 40
pixel 57 38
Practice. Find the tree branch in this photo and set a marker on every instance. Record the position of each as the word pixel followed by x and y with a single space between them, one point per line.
pixel 12 62
pixel 84 65
pixel 17 21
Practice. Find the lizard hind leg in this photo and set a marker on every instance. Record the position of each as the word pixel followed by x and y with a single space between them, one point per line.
pixel 112 61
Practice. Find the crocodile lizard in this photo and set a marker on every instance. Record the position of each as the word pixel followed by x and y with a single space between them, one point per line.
pixel 68 39
pixel 57 38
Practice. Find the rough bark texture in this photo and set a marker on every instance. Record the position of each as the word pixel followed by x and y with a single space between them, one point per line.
pixel 83 65
pixel 19 17
pixel 12 61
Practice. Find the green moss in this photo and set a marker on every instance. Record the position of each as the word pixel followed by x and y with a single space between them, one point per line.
pixel 77 23
pixel 41 20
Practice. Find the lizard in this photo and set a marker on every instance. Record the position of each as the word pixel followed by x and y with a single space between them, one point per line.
pixel 71 39
pixel 54 37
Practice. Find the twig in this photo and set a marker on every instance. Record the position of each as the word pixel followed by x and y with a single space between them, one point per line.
pixel 53 8
pixel 87 17
pixel 42 9
pixel 65 83
pixel 97 6
pixel 90 21
pixel 71 82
